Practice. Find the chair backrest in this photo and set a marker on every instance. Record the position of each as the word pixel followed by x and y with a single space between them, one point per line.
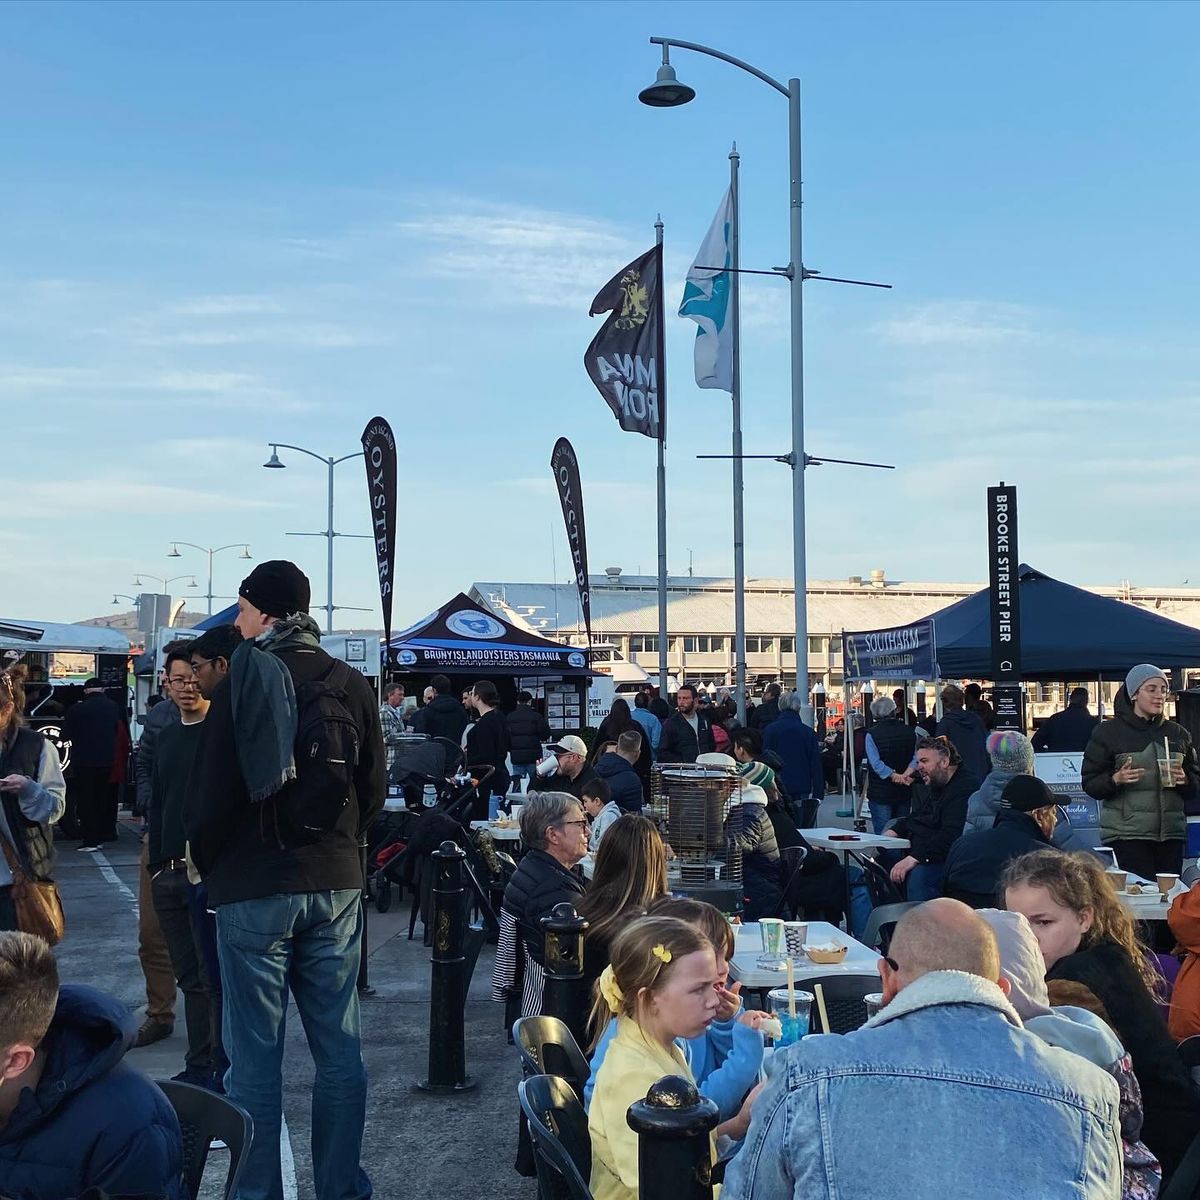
pixel 559 1132
pixel 1190 874
pixel 879 884
pixel 204 1117
pixel 843 995
pixel 547 1047
pixel 882 922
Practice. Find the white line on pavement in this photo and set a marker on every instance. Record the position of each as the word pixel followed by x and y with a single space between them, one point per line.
pixel 113 878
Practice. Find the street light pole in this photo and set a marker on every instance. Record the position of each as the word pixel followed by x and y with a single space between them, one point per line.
pixel 667 92
pixel 275 463
pixel 210 551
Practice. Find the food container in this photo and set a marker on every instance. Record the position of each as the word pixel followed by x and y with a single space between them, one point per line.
pixel 826 955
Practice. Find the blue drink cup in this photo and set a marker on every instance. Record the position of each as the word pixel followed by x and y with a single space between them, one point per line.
pixel 794 1028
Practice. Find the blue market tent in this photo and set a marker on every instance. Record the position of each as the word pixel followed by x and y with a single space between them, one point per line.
pixel 226 616
pixel 1066 634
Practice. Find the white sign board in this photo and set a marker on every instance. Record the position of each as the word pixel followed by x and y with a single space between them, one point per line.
pixel 1061 773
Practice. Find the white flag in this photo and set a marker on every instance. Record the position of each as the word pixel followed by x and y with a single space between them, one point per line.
pixel 706 301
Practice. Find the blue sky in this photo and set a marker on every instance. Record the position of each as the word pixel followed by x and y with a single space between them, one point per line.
pixel 230 223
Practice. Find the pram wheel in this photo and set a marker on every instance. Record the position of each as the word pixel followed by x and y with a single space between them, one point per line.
pixel 383 896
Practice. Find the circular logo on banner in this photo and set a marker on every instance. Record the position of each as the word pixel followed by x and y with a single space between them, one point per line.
pixel 577 659
pixel 407 657
pixel 474 625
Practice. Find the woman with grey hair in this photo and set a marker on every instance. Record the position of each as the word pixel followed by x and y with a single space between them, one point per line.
pixel 795 743
pixel 891 753
pixel 554 829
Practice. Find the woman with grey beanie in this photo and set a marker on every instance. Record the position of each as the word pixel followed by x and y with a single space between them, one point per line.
pixel 1142 804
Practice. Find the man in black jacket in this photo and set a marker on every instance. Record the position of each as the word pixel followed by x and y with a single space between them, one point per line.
pixel 487 745
pixel 1024 823
pixel 572 769
pixel 528 732
pixel 443 716
pixel 1069 731
pixel 768 710
pixel 91 728
pixel 686 732
pixel 936 820
pixel 288 891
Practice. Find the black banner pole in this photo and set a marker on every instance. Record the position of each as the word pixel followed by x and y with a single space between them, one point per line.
pixel 1004 586
pixel 379 454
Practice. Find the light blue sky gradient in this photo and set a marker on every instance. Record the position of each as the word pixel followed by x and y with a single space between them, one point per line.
pixel 227 223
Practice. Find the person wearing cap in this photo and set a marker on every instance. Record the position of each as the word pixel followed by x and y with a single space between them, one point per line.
pixel 568 772
pixel 1024 822
pixel 91 727
pixel 284 873
pixel 1141 820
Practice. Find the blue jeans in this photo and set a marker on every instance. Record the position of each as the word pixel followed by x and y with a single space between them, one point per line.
pixel 882 813
pixel 308 942
pixel 924 881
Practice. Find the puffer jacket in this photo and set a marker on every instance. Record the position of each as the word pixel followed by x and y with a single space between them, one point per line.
pixel 969 736
pixel 527 731
pixel 92 1121
pixel 1143 811
pixel 984 804
pixel 623 781
pixel 1184 920
pixel 539 883
pixel 750 837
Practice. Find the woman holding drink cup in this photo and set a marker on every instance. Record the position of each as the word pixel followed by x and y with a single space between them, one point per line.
pixel 1142 768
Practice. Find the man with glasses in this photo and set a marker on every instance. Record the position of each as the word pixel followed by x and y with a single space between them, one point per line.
pixel 1142 791
pixel 210 655
pixel 175 757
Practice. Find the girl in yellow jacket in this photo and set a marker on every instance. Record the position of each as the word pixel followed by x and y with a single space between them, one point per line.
pixel 661 985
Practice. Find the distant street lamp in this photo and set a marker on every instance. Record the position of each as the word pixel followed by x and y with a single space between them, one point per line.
pixel 117 596
pixel 137 579
pixel 275 463
pixel 210 551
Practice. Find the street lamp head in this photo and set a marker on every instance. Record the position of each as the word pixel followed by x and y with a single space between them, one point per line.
pixel 666 91
pixel 137 581
pixel 114 600
pixel 174 552
pixel 245 551
pixel 193 583
pixel 273 462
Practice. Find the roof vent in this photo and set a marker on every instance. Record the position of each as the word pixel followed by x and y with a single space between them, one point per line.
pixel 878 579
pixel 614 575
pixel 856 581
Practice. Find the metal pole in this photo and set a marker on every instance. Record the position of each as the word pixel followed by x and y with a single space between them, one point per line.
pixel 799 558
pixel 661 477
pixel 329 566
pixel 739 532
pixel 673 1124
pixel 210 591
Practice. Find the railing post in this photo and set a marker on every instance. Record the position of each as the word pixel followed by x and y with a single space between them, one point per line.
pixel 448 985
pixel 673 1125
pixel 565 995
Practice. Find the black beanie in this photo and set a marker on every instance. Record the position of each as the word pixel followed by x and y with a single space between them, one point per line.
pixel 1025 793
pixel 277 588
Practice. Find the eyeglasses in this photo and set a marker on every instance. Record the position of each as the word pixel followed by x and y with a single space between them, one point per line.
pixel 1155 690
pixel 197 663
pixel 891 962
pixel 583 822
pixel 182 683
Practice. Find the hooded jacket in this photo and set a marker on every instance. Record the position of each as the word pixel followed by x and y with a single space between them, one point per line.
pixel 984 804
pixel 528 730
pixel 1184 920
pixel 1141 811
pixel 623 781
pixel 92 1121
pixel 444 717
pixel 976 860
pixel 948 1053
pixel 750 837
pixel 969 736
pixel 802 776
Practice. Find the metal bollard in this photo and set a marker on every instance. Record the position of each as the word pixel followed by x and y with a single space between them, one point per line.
pixel 448 985
pixel 566 993
pixel 674 1154
pixel 364 977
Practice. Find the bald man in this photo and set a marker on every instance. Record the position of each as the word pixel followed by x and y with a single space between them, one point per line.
pixel 943 1093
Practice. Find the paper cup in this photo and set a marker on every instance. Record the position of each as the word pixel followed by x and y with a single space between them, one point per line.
pixel 770 930
pixel 1117 877
pixel 795 934
pixel 872 1002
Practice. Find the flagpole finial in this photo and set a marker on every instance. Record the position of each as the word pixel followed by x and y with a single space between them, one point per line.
pixel 733 153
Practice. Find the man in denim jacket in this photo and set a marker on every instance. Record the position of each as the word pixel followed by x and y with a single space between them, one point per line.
pixel 942 1093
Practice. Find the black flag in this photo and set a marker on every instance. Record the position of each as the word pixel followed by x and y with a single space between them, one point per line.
pixel 565 466
pixel 626 360
pixel 379 452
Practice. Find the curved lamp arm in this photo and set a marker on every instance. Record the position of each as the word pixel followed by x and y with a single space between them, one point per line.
pixel 666 43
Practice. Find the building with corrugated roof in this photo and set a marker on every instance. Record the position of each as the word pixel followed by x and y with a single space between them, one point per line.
pixel 700 618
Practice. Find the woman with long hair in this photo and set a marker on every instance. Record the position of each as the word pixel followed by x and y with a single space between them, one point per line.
pixel 33 794
pixel 630 872
pixel 1086 935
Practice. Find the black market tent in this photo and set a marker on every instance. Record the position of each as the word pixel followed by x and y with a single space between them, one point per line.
pixel 461 638
pixel 1067 633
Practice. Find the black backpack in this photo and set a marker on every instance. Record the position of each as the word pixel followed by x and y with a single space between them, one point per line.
pixel 326 752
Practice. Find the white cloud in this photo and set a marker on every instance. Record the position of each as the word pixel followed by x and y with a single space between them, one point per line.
pixel 117 494
pixel 961 323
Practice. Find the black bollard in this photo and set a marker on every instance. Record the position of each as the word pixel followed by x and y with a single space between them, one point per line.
pixel 566 994
pixel 448 985
pixel 364 978
pixel 674 1155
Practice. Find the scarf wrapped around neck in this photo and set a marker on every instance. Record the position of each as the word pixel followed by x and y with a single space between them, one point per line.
pixel 264 704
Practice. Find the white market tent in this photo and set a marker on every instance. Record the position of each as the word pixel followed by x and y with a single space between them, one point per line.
pixel 50 637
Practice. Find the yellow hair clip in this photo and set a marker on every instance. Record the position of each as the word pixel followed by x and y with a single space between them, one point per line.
pixel 611 990
pixel 662 953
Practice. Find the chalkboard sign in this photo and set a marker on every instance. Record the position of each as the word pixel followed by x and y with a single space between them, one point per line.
pixel 112 670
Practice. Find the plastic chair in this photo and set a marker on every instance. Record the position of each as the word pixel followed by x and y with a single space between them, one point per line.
pixel 878 880
pixel 547 1047
pixel 205 1117
pixel 878 933
pixel 561 1145
pixel 1190 874
pixel 843 1001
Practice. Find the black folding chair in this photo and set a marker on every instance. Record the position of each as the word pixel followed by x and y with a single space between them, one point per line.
pixel 205 1117
pixel 561 1146
pixel 843 996
pixel 882 924
pixel 547 1047
pixel 878 880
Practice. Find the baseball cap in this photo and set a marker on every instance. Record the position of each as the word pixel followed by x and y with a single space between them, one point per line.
pixel 569 745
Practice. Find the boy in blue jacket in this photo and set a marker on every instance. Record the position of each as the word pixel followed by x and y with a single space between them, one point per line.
pixel 72 1114
pixel 727 1058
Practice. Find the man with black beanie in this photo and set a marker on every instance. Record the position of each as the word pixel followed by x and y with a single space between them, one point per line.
pixel 290 774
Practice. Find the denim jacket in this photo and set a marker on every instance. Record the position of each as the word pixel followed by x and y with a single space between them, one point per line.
pixel 943 1093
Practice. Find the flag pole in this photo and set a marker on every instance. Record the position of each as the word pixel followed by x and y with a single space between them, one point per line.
pixel 662 504
pixel 739 535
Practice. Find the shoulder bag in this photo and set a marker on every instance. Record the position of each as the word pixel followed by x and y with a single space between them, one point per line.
pixel 38 904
